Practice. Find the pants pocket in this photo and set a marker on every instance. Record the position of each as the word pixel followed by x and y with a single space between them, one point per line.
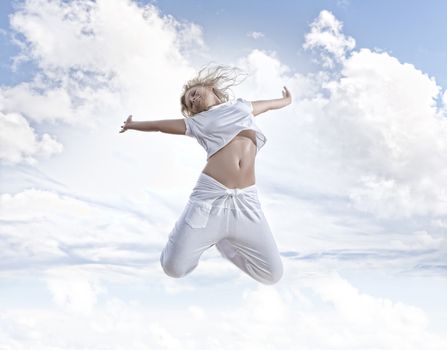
pixel 197 215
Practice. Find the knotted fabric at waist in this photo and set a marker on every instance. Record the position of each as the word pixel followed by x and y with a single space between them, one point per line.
pixel 208 193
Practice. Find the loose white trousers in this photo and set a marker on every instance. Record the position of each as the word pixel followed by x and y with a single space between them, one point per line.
pixel 231 219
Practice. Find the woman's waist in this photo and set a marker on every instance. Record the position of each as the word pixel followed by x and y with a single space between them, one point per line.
pixel 240 150
pixel 208 192
pixel 242 204
pixel 231 170
pixel 231 177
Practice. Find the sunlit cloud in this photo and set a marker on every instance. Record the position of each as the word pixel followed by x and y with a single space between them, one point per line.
pixel 352 178
pixel 255 35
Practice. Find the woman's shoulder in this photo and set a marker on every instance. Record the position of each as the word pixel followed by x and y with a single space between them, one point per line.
pixel 230 102
pixel 215 108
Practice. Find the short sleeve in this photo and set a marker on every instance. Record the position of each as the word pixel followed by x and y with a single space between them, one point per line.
pixel 247 104
pixel 188 123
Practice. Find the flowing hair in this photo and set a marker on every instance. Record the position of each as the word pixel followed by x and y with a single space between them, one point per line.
pixel 220 78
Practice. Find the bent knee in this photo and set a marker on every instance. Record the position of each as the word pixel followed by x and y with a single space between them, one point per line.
pixel 274 276
pixel 175 269
pixel 172 271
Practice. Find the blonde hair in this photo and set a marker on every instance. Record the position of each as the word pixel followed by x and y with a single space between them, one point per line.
pixel 214 77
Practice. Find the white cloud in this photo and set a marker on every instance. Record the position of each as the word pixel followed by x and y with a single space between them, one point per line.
pixel 197 312
pixel 369 141
pixel 57 229
pixel 359 132
pixel 88 27
pixel 74 290
pixel 326 34
pixel 19 142
pixel 99 58
pixel 374 127
pixel 255 35
pixel 342 3
pixel 365 132
pixel 381 119
pixel 315 310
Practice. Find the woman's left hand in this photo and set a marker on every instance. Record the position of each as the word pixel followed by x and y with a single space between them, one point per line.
pixel 286 96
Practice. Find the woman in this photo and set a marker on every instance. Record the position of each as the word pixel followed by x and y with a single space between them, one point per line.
pixel 223 208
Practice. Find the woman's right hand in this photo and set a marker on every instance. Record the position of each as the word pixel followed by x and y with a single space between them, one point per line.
pixel 126 124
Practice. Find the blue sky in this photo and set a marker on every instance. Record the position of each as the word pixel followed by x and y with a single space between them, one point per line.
pixel 412 31
pixel 352 178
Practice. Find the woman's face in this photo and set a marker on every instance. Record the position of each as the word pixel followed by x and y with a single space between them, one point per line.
pixel 200 98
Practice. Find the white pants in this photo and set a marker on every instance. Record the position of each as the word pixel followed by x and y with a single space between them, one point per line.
pixel 231 219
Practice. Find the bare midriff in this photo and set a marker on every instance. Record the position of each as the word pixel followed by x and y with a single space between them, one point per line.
pixel 234 164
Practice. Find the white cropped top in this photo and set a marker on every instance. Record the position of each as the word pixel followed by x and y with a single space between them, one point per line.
pixel 217 126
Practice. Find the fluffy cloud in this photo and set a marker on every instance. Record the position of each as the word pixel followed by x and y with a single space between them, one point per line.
pixel 92 63
pixel 376 125
pixel 381 120
pixel 21 144
pixel 375 129
pixel 366 140
pixel 297 312
pixel 59 228
pixel 326 35
pixel 74 290
pixel 255 35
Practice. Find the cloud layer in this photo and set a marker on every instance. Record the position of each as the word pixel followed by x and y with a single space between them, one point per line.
pixel 353 178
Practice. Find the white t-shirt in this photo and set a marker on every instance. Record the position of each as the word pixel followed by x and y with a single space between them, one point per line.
pixel 217 126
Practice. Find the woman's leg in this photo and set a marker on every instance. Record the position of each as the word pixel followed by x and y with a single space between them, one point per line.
pixel 252 248
pixel 194 232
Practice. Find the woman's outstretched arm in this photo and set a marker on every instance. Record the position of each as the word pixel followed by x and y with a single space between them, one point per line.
pixel 266 105
pixel 169 126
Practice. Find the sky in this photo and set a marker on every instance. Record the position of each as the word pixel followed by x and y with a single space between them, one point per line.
pixel 352 179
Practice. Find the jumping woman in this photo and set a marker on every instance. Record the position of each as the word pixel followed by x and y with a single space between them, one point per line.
pixel 223 208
